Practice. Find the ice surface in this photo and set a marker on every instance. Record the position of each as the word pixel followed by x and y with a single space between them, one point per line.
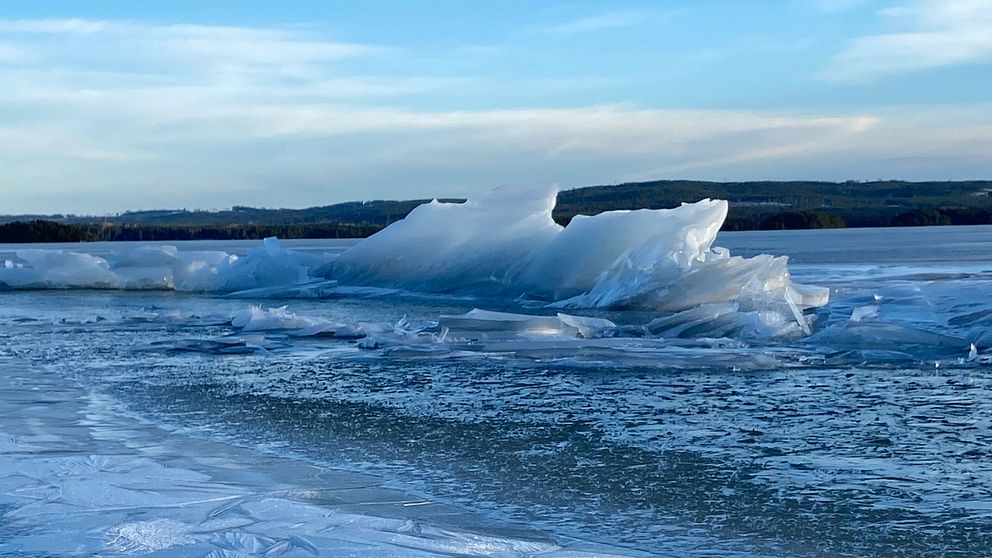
pixel 161 267
pixel 698 408
pixel 478 321
pixel 221 345
pixel 78 479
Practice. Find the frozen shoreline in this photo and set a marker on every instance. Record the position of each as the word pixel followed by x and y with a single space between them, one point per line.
pixel 77 478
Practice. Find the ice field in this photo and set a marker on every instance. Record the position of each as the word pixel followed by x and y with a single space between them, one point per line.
pixel 631 384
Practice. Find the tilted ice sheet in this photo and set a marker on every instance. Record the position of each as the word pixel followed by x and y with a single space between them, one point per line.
pixel 479 246
pixel 160 268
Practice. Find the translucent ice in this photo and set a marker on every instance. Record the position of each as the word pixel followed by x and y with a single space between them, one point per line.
pixel 506 244
pixel 255 318
pixel 481 322
pixel 479 246
pixel 160 267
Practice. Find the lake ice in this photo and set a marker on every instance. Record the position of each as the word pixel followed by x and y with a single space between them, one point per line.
pixel 631 381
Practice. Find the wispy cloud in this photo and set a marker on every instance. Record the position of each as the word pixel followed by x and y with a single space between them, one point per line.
pixel 599 22
pixel 53 26
pixel 837 6
pixel 930 34
pixel 605 22
pixel 12 54
pixel 96 42
pixel 153 115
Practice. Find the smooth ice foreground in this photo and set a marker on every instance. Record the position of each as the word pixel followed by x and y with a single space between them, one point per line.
pixel 673 432
pixel 502 246
pixel 77 478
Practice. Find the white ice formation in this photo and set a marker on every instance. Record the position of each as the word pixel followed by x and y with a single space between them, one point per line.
pixel 502 245
pixel 158 267
pixel 256 318
pixel 506 244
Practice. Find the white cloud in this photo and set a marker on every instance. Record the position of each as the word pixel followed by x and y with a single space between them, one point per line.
pixel 12 54
pixel 837 6
pixel 197 46
pixel 150 115
pixel 930 34
pixel 291 155
pixel 604 21
pixel 52 26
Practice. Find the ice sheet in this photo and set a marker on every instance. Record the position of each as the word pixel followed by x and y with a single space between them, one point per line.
pixel 160 268
pixel 78 479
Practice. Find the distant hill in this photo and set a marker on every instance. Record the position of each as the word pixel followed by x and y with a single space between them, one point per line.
pixel 753 205
pixel 857 204
pixel 372 212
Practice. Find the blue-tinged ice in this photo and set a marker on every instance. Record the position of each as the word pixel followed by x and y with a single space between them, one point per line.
pixel 160 268
pixel 506 244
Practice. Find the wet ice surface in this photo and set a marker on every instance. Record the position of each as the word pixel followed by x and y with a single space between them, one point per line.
pixel 79 479
pixel 868 437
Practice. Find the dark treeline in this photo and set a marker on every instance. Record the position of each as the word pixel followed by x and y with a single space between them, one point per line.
pixel 797 220
pixel 48 231
pixel 42 231
pixel 753 206
pixel 943 216
pixel 793 220
pixel 229 232
pixel 798 204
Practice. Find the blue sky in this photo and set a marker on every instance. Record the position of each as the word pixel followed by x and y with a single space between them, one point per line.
pixel 114 105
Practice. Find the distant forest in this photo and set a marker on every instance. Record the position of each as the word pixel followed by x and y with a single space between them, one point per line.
pixel 753 206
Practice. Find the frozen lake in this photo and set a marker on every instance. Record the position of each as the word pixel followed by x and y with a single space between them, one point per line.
pixel 130 419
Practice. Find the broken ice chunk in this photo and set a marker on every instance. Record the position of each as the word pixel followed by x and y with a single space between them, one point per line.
pixel 478 321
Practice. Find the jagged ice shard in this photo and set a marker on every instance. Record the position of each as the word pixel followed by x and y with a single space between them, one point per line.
pixel 158 267
pixel 505 243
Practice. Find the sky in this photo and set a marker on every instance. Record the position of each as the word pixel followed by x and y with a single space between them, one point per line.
pixel 108 106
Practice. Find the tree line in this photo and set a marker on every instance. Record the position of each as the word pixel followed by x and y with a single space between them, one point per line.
pixel 50 231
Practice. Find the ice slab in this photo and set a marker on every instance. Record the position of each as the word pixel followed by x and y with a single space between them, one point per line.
pixel 164 268
pixel 219 345
pixel 477 321
pixel 506 244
